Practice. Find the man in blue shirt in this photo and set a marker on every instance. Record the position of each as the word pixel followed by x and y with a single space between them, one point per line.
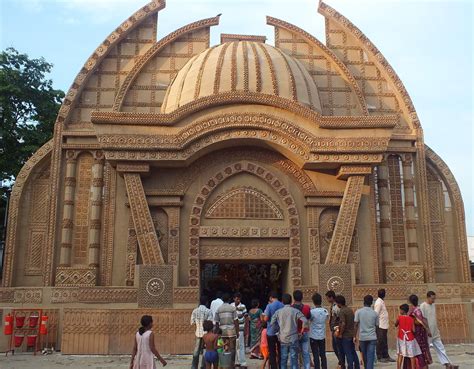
pixel 272 330
pixel 317 332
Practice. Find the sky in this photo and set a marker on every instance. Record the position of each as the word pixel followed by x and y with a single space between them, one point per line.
pixel 428 43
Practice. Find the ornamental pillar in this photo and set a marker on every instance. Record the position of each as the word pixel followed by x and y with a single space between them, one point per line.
pixel 384 203
pixel 95 210
pixel 68 209
pixel 411 222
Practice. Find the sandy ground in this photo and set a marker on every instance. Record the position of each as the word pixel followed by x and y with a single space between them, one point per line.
pixel 462 355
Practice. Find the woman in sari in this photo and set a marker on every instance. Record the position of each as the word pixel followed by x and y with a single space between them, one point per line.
pixel 422 332
pixel 255 329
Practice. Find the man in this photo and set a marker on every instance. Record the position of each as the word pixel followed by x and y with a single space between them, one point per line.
pixel 366 322
pixel 272 330
pixel 346 333
pixel 317 335
pixel 242 315
pixel 287 319
pixel 198 316
pixel 215 304
pixel 228 321
pixel 333 323
pixel 382 329
pixel 304 339
pixel 428 309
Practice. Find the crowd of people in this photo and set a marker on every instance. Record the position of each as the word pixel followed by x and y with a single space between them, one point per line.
pixel 289 330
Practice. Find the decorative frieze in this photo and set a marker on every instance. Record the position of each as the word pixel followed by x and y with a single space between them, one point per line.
pixel 93 295
pixel 245 232
pixel 76 276
pixel 404 274
pixel 243 252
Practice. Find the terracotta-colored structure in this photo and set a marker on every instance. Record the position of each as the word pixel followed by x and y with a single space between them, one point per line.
pixel 172 156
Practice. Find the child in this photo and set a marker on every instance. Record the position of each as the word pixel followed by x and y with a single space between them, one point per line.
pixel 210 343
pixel 264 345
pixel 407 347
pixel 144 349
pixel 220 343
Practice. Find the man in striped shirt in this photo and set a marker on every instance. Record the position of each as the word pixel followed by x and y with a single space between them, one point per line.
pixel 242 315
pixel 198 316
pixel 227 320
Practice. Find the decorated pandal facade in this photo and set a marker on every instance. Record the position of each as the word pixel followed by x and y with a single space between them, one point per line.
pixel 171 155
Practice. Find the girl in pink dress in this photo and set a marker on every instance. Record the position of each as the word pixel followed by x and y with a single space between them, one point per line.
pixel 144 350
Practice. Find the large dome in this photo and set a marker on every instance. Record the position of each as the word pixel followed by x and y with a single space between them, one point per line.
pixel 242 67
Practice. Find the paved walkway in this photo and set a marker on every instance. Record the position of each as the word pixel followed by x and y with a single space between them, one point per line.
pixel 462 355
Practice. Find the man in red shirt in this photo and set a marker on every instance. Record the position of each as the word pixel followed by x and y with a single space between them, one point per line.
pixel 304 339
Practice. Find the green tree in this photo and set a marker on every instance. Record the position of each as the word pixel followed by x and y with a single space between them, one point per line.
pixel 28 108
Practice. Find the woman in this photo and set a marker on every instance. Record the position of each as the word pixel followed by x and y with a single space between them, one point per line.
pixel 255 329
pixel 422 332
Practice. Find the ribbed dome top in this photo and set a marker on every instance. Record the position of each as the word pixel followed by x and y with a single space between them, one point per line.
pixel 242 66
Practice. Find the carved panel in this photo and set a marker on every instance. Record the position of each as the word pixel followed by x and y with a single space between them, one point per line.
pixel 81 209
pixel 76 276
pixel 109 331
pixel 160 221
pixel 247 232
pixel 345 223
pixel 93 295
pixel 155 288
pixel 146 234
pixel 244 203
pixel 37 223
pixel 131 257
pixel 188 295
pixel 437 219
pixel 338 278
pixel 327 223
pixel 404 274
pixel 243 252
pixel 173 236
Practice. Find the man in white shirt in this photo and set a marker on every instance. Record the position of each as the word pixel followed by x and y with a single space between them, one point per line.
pixel 428 309
pixel 242 315
pixel 198 316
pixel 382 329
pixel 215 304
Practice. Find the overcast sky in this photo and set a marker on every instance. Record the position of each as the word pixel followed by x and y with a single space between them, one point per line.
pixel 429 44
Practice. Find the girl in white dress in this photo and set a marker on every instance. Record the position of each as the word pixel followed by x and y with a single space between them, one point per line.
pixel 144 350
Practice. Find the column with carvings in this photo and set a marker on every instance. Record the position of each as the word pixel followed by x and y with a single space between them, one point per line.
pixel 384 203
pixel 96 210
pixel 411 222
pixel 68 209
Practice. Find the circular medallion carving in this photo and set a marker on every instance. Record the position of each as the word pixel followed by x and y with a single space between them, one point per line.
pixel 335 284
pixel 155 287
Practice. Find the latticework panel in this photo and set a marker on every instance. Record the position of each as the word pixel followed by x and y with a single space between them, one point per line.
pixel 396 201
pixel 437 219
pixel 335 93
pixel 378 92
pixel 100 89
pixel 37 223
pixel 81 209
pixel 244 203
pixel 147 92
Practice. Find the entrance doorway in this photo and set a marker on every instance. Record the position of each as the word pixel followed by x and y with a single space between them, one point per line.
pixel 252 280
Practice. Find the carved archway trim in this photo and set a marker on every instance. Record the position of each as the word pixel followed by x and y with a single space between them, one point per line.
pixel 327 53
pixel 155 50
pixel 15 197
pixel 451 184
pixel 276 159
pixel 206 190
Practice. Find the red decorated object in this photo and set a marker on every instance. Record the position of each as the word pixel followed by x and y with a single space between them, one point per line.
pixel 8 325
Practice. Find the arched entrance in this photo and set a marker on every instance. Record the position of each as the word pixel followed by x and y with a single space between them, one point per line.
pixel 245 214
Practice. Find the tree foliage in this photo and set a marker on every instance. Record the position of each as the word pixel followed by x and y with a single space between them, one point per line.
pixel 28 108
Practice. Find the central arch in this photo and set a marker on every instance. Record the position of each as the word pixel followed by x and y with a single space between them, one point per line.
pixel 294 255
